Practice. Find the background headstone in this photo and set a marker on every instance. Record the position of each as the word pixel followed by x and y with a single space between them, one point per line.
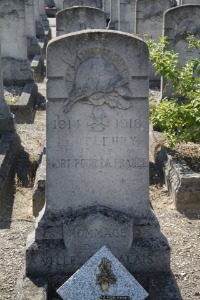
pixel 32 42
pixel 79 18
pixel 127 15
pixel 97 157
pixel 38 23
pixel 102 277
pixel 149 17
pixel 149 20
pixel 179 22
pixel 92 3
pixel 106 6
pixel 15 65
pixel 114 15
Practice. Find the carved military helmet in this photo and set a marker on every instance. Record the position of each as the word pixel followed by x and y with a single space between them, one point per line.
pixel 97 82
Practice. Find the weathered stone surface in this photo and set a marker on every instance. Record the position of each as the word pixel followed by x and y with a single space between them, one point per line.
pixel 79 18
pixel 183 2
pixel 102 277
pixel 97 156
pixel 92 3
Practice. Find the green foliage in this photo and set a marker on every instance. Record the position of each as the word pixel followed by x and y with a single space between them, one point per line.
pixel 178 119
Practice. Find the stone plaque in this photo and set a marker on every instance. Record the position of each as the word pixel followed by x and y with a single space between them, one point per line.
pixel 102 277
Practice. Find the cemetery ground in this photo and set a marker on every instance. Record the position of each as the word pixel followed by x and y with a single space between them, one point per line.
pixel 16 221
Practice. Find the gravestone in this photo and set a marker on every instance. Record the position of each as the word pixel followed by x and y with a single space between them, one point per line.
pixel 59 4
pixel 114 15
pixel 15 65
pixel 102 277
pixel 106 6
pixel 127 15
pixel 6 118
pixel 149 17
pixel 38 23
pixel 44 19
pixel 79 18
pixel 92 3
pixel 32 42
pixel 97 186
pixel 149 20
pixel 179 23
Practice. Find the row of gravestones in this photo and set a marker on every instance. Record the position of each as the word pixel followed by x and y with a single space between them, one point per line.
pixel 136 17
pixel 23 30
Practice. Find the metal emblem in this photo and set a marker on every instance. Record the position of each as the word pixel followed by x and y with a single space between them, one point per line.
pixel 106 276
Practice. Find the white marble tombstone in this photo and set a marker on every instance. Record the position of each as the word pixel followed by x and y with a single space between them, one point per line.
pixel 79 18
pixel 97 186
pixel 15 65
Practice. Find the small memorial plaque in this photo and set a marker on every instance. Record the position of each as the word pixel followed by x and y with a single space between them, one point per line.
pixel 102 273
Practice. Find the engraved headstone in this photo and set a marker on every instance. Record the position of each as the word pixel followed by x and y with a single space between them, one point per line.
pixel 79 18
pixel 97 190
pixel 92 3
pixel 102 277
pixel 15 65
pixel 179 23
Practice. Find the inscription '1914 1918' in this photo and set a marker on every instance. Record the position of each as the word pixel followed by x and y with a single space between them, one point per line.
pixel 122 123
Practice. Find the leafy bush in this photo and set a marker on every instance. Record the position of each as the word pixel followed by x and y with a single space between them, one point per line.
pixel 178 118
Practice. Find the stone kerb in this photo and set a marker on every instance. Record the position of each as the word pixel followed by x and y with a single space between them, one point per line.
pixel 179 22
pixel 97 157
pixel 79 18
pixel 92 3
pixel 6 118
pixel 15 65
